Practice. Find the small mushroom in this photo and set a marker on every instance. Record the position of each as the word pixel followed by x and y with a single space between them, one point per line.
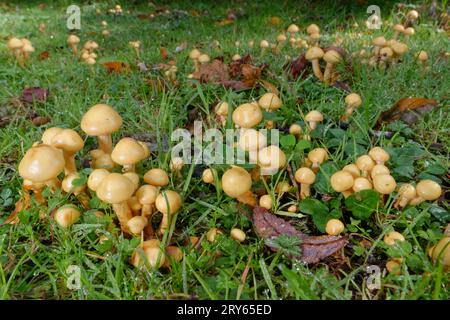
pixel 384 183
pixel 398 29
pixel 146 195
pixel 379 155
pixel 393 236
pixel 96 177
pixel 137 224
pixel 314 54
pixel 360 184
pixel 247 115
pixel 312 28
pixel 353 100
pixel 101 121
pixel 394 266
pixel 208 175
pixel 70 142
pixel 168 202
pixel 236 181
pixel 194 55
pixel 16 45
pixel 134 178
pixel 408 33
pixel 282 187
pixel 293 29
pixel 203 59
pixel 422 57
pixel 128 152
pixel 78 190
pixel 314 39
pixel 269 102
pixel 379 169
pixel 365 164
pixel 313 117
pixel 378 43
pixel 73 41
pixel 406 193
pixel 411 17
pixel 334 227
pixel 441 252
pixel 317 156
pixel 252 140
pixel 156 177
pixel 135 45
pixel 116 189
pixel 66 216
pixel 295 129
pixel 212 234
pixel 342 181
pixel 152 253
pixel 266 201
pixel 264 44
pixel 332 58
pixel 271 159
pixel 237 234
pixel 306 177
pixel 426 190
pixel 353 170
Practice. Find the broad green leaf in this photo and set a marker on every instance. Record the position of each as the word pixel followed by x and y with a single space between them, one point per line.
pixel 362 204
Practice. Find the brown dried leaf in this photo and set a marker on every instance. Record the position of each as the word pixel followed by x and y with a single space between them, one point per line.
pixel 44 55
pixel 22 204
pixel 297 67
pixel 406 109
pixel 313 248
pixel 163 52
pixel 30 95
pixel 214 72
pixel 224 22
pixel 116 66
pixel 39 120
pixel 269 87
pixel 274 21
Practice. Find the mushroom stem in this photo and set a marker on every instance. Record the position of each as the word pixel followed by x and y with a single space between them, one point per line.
pixel 316 69
pixel 196 65
pixel 19 57
pixel 328 73
pixel 37 191
pixel 347 114
pixel 164 224
pixel 70 166
pixel 401 202
pixel 74 49
pixel 105 143
pixel 305 190
pixel 128 168
pixel 146 210
pixel 53 184
pixel 136 49
pixel 123 213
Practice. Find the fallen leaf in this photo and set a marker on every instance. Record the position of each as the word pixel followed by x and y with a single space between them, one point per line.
pixel 181 47
pixel 297 67
pixel 214 72
pixel 407 110
pixel 22 204
pixel 116 66
pixel 313 248
pixel 163 52
pixel 44 55
pixel 269 87
pixel 39 120
pixel 224 22
pixel 35 94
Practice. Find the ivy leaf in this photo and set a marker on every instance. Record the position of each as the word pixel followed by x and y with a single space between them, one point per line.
pixel 287 141
pixel 362 203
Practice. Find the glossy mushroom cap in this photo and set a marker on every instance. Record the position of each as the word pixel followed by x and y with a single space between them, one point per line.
pixel 14 44
pixel 236 181
pixel 172 205
pixel 264 44
pixel 334 227
pixel 352 169
pixel 203 58
pixel 409 31
pixel 115 188
pixel 332 57
pixel 384 183
pixel 265 201
pixel 305 176
pixel 49 133
pixel 423 55
pixel 194 54
pixel 100 120
pixel 313 117
pixel 208 176
pixel 222 108
pixel 318 155
pixel 96 177
pixel 428 190
pixel 271 158
pixel 412 14
pixel 237 234
pixel 247 115
pixel 341 181
pixel 41 163
pixel 134 178
pixel 313 28
pixel 68 186
pixel 393 236
pixel 269 101
pixel 399 28
pixel 379 155
pixel 379 169
pixel 281 38
pixel 353 100
pixel 365 163
pixel 314 53
pixel 156 177
pixel 73 39
pixel 128 152
pixel 399 48
pixel 379 41
pixel 69 140
pixel 252 140
pixel 147 194
pixel 441 252
pixel 293 28
pixel 361 184
pixel 67 215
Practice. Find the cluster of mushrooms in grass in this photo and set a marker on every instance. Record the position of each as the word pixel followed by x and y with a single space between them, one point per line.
pixel 21 49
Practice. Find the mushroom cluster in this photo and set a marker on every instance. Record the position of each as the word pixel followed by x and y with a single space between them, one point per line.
pixel 87 53
pixel 21 49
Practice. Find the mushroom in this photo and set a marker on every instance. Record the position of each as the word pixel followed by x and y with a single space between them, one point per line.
pixel 49 133
pixel 66 216
pixel 269 102
pixel 399 50
pixel 194 55
pixel 236 181
pixel 237 234
pixel 137 224
pixel 314 39
pixel 168 203
pixel 360 184
pixel 208 175
pixel 41 165
pixel 306 177
pixel 295 129
pixel 212 234
pixel 281 39
pixel 15 45
pixel 352 169
pixel 332 58
pixel 313 117
pixel 334 227
pixel 422 57
pixel 379 169
pixel 398 28
pixel 96 177
pixel 128 152
pixel 353 100
pixel 174 253
pixel 252 140
pixel 135 45
pixel 292 209
pixel 247 115
pixel 406 193
pixel 365 164
pixel 314 54
pixel 70 142
pixel 236 57
pixel 441 252
pixel 27 49
pixel 386 55
pixel 146 196
pixel 101 121
pixel 411 16
pixel 342 181
pixel 282 187
pixel 90 46
pixel 176 164
pixel 394 266
pixel 134 178
pixel 426 190
pixel 152 253
pixel 379 155
pixel 78 190
pixel 270 159
pixel 293 29
pixel 264 44
pixel 73 41
pixel 393 236
pixel 101 160
pixel 203 59
pixel 116 189
pixel 317 156
pixel 134 205
pixel 265 201
pixel 156 177
pixel 312 28
pixel 378 43
pixel 384 183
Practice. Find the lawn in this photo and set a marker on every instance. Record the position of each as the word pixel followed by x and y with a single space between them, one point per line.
pixel 41 260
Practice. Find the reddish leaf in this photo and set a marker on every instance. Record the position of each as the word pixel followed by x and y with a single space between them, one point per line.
pixel 214 72
pixel 313 248
pixel 39 121
pixel 163 52
pixel 297 67
pixel 116 66
pixel 29 95
pixel 44 55
pixel 407 110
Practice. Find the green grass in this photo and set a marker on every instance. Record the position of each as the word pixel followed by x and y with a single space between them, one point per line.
pixel 35 254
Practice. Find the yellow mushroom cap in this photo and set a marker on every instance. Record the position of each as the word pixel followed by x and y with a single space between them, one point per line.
pixel 222 108
pixel 334 227
pixel 305 176
pixel 156 177
pixel 67 215
pixel 172 205
pixel 379 169
pixel 69 140
pixel 313 28
pixel 407 190
pixel 208 176
pixel 365 163
pixel 318 155
pixel 14 44
pixel 96 177
pixel 399 48
pixel 41 163
pixel 352 169
pixel 293 28
pixel 409 31
pixel 237 234
pixel 236 181
pixel 314 116
pixel 384 183
pixel 100 120
pixel 203 58
pixel 269 101
pixel 399 28
pixel 353 100
pixel 379 155
pixel 360 184
pixel 265 201
pixel 314 53
pixel 423 55
pixel 295 129
pixel 67 183
pixel 264 44
pixel 247 115
pixel 412 14
pixel 271 158
pixel 252 140
pixel 386 52
pixel 147 194
pixel 134 178
pixel 128 151
pixel 379 41
pixel 442 251
pixel 428 190
pixel 194 54
pixel 341 181
pixel 393 236
pixel 115 188
pixel 49 133
pixel 281 38
pixel 332 56
pixel 73 39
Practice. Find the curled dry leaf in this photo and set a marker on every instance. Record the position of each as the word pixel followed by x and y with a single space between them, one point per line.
pixel 407 110
pixel 116 66
pixel 35 94
pixel 39 120
pixel 22 204
pixel 214 72
pixel 313 248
